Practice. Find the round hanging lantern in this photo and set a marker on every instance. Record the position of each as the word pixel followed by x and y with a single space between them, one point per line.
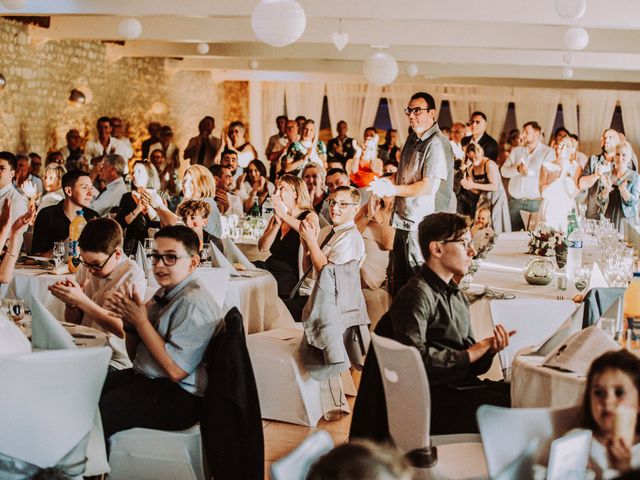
pixel 412 70
pixel 202 48
pixel 253 64
pixel 13 4
pixel 3 82
pixel 380 68
pixel 568 58
pixel 576 38
pixel 130 28
pixel 567 73
pixel 571 9
pixel 278 22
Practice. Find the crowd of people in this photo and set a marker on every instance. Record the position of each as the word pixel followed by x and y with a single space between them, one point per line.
pixel 406 216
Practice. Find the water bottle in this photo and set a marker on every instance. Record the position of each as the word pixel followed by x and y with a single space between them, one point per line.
pixel 75 229
pixel 574 251
pixel 255 210
pixel 267 208
pixel 572 222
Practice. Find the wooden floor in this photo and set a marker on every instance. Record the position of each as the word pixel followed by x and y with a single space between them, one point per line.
pixel 281 438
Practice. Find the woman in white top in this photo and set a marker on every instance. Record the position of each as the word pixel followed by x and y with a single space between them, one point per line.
pixel 559 186
pixel 234 139
pixel 253 183
pixel 52 185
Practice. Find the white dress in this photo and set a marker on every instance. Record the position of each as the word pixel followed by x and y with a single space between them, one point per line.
pixel 559 198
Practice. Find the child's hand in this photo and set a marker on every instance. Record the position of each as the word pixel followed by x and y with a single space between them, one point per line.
pixel 130 307
pixel 619 455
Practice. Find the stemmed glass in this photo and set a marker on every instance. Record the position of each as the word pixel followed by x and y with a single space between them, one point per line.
pixel 582 276
pixel 59 249
pixel 148 246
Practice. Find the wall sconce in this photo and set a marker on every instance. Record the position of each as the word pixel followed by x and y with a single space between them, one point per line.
pixel 3 82
pixel 77 98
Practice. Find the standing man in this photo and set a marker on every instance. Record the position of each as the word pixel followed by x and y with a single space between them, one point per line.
pixel 107 144
pixel 154 137
pixel 203 148
pixel 522 168
pixel 8 164
pixel 479 135
pixel 277 142
pixel 425 164
pixel 341 148
pixel 457 135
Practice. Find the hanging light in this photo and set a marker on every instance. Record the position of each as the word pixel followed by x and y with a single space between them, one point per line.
pixel 567 73
pixel 130 28
pixel 571 9
pixel 3 82
pixel 13 4
pixel 576 38
pixel 253 64
pixel 568 58
pixel 380 68
pixel 77 98
pixel 412 70
pixel 340 38
pixel 202 48
pixel 278 22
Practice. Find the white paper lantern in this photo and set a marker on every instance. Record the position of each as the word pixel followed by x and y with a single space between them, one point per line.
pixel 412 70
pixel 568 58
pixel 380 68
pixel 13 4
pixel 567 73
pixel 253 64
pixel 130 28
pixel 202 48
pixel 576 38
pixel 278 22
pixel 571 9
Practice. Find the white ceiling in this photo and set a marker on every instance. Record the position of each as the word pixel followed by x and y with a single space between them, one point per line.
pixel 461 39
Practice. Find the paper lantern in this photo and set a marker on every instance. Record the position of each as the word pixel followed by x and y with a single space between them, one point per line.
pixel 571 9
pixel 576 38
pixel 412 70
pixel 202 48
pixel 253 64
pixel 278 22
pixel 568 58
pixel 13 4
pixel 3 82
pixel 567 73
pixel 130 28
pixel 380 68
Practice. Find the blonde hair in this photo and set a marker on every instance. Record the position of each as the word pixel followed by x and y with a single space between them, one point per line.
pixel 303 199
pixel 475 148
pixel 481 209
pixel 203 181
pixel 57 168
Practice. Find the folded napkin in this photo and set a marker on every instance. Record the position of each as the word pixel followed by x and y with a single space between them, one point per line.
pixel 12 340
pixel 46 332
pixel 144 263
pixel 235 255
pixel 218 259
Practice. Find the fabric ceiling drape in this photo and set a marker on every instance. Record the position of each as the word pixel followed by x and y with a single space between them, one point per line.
pixel 306 99
pixel 630 105
pixel 355 103
pixel 459 102
pixel 494 103
pixel 570 112
pixel 272 105
pixel 398 96
pixel 595 114
pixel 538 105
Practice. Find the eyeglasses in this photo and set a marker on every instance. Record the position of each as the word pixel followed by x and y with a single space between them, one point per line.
pixel 465 242
pixel 169 259
pixel 340 205
pixel 94 267
pixel 415 110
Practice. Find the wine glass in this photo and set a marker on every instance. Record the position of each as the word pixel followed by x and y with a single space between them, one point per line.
pixel 59 249
pixel 582 276
pixel 148 245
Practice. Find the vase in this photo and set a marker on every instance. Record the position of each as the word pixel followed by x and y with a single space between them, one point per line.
pixel 539 271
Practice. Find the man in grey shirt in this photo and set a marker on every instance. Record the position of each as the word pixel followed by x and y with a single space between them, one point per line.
pixel 424 182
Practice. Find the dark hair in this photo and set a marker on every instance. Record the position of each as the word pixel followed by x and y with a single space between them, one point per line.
pixel 370 128
pixel 431 103
pixel 391 161
pixel 182 234
pixel 259 166
pixel 228 151
pixel 387 137
pixel 354 192
pixel 34 155
pixel 441 226
pixel 102 235
pixel 102 120
pixel 10 158
pixel 236 123
pixel 20 156
pixel 621 360
pixel 535 125
pixel 69 179
pixel 300 117
pixel 281 117
pixel 479 114
pixel 561 129
pixel 52 157
pixel 216 170
pixel 575 136
pixel 359 460
pixel 333 171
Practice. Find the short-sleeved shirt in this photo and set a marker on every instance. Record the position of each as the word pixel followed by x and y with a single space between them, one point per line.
pixel 52 225
pixel 99 289
pixel 186 318
pixel 422 157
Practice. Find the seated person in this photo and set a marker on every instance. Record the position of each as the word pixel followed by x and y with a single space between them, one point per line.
pixel 432 314
pixel 104 268
pixel 291 205
pixel 228 202
pixel 195 215
pixel 11 236
pixel 166 340
pixel 611 397
pixel 52 223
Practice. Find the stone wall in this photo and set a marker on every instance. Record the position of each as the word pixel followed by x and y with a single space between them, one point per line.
pixel 35 112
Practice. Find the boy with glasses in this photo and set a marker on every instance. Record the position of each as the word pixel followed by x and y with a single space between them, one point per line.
pixel 166 340
pixel 104 268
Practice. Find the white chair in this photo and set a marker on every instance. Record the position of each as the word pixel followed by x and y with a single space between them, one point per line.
pixel 507 432
pixel 296 465
pixel 48 404
pixel 406 391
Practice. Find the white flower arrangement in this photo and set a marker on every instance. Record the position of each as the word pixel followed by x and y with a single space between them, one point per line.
pixel 546 241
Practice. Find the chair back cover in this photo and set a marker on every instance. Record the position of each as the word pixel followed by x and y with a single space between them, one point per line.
pixel 404 379
pixel 507 432
pixel 297 464
pixel 46 332
pixel 49 401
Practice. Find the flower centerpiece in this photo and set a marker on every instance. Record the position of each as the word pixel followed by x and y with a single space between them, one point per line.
pixel 548 242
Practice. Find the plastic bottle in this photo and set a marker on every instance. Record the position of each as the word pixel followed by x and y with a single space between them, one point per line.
pixel 572 222
pixel 631 311
pixel 574 251
pixel 75 229
pixel 267 208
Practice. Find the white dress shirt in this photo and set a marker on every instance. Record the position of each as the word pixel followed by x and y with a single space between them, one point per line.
pixel 526 186
pixel 19 203
pixel 110 197
pixel 458 152
pixel 119 147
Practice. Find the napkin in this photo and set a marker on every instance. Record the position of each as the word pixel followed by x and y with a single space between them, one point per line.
pixel 235 255
pixel 218 259
pixel 12 340
pixel 597 279
pixel 143 261
pixel 46 331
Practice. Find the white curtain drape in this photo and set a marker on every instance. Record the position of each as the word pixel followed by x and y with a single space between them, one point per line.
pixel 494 103
pixel 630 105
pixel 595 114
pixel 355 103
pixel 398 96
pixel 570 112
pixel 537 105
pixel 459 97
pixel 271 105
pixel 305 98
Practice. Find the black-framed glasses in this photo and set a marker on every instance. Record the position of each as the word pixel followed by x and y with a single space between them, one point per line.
pixel 340 205
pixel 169 259
pixel 465 242
pixel 93 266
pixel 415 110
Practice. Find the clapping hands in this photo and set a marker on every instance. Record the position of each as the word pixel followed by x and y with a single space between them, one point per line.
pixel 29 189
pixel 308 231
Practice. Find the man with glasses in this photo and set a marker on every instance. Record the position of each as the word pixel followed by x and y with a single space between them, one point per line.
pixel 479 135
pixel 166 340
pixel 424 184
pixel 103 269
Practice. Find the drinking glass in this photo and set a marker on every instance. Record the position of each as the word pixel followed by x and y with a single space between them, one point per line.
pixel 16 310
pixel 59 249
pixel 148 245
pixel 582 276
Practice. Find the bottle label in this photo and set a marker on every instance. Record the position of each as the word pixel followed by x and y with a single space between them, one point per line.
pixel 575 244
pixel 73 250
